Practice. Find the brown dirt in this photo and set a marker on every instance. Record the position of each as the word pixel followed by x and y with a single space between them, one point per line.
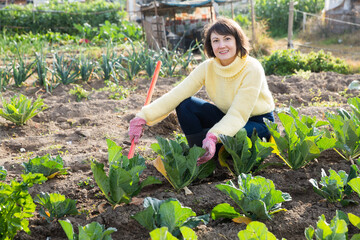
pixel 77 131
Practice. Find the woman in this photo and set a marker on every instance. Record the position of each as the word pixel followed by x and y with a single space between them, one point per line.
pixel 235 83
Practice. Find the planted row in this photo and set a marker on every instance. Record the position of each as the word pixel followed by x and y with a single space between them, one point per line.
pixel 66 70
pixel 255 201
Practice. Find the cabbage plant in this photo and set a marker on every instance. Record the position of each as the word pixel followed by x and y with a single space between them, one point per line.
pixel 164 234
pixel 335 187
pixel 256 231
pixel 168 213
pixel 336 229
pixel 347 133
pixel 55 206
pixel 123 180
pixel 302 140
pixel 178 162
pixel 91 231
pixel 247 153
pixel 256 198
pixel 47 165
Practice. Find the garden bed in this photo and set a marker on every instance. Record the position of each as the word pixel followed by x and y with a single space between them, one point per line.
pixel 78 131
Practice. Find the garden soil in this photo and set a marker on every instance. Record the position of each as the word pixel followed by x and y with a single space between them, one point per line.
pixel 78 132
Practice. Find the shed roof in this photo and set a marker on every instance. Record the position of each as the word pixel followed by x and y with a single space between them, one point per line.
pixel 185 4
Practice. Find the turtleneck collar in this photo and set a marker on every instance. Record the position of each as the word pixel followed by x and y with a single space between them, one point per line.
pixel 232 69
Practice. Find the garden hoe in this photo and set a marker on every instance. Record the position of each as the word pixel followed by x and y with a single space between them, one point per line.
pixel 147 101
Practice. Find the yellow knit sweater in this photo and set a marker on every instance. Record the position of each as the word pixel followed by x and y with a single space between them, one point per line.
pixel 239 90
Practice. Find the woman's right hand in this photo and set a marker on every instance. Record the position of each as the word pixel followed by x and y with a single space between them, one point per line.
pixel 136 129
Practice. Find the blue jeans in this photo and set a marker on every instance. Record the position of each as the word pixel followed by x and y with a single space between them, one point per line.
pixel 195 115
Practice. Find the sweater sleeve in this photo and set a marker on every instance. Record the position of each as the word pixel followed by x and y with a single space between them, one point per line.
pixel 161 107
pixel 243 104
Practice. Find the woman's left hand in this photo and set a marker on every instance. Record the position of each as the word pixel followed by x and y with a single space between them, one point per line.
pixel 209 144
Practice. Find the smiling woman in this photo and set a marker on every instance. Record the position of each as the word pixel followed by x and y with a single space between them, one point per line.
pixel 235 84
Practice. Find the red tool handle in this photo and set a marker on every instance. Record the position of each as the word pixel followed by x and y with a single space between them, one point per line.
pixel 147 101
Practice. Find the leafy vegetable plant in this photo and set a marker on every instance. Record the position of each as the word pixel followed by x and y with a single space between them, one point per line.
pixel 256 197
pixel 355 184
pixel 256 231
pixel 355 220
pixel 178 162
pixel 79 92
pixel 91 231
pixel 302 142
pixel 20 109
pixel 247 153
pixel 123 181
pixel 17 205
pixel 168 213
pixel 47 165
pixel 55 206
pixel 335 187
pixel 337 229
pixel 164 234
pixel 347 133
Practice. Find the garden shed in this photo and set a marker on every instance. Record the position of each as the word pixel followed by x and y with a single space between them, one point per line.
pixel 344 11
pixel 170 23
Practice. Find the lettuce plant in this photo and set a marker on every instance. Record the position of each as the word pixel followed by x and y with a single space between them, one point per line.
pixel 123 181
pixel 55 206
pixel 346 130
pixel 91 231
pixel 20 109
pixel 256 197
pixel 168 213
pixel 17 205
pixel 256 231
pixel 164 234
pixel 337 229
pixel 335 187
pixel 247 153
pixel 178 162
pixel 47 165
pixel 303 140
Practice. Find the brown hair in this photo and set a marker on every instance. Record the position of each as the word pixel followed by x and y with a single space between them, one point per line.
pixel 225 26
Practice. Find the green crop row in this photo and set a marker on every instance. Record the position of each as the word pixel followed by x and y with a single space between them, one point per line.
pixel 59 17
pixel 161 217
pixel 112 65
pixel 288 62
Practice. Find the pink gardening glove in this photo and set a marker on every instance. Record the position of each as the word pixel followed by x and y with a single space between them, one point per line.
pixel 209 144
pixel 136 128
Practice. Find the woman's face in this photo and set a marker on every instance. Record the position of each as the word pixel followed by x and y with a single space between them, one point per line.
pixel 224 47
